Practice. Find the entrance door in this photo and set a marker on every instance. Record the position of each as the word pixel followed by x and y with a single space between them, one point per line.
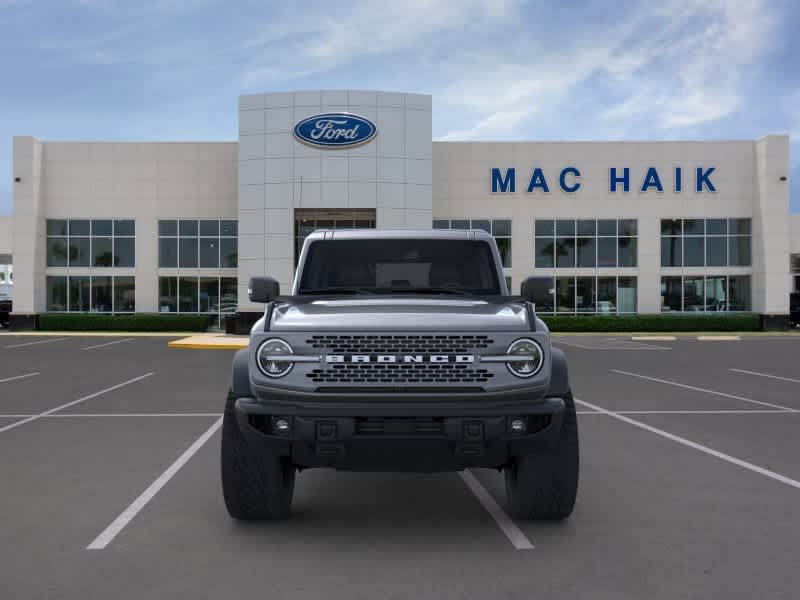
pixel 307 220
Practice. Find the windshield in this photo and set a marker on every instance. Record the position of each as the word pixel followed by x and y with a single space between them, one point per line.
pixel 424 266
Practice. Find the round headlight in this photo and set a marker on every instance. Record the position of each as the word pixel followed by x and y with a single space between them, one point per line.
pixel 266 356
pixel 528 358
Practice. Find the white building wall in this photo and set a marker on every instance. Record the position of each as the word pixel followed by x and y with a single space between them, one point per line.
pixel 6 227
pixel 462 189
pixel 794 234
pixel 112 180
pixel 771 280
pixel 28 242
pixel 278 174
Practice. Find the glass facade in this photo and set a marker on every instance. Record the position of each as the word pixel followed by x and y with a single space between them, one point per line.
pixel 95 243
pixel 721 247
pixel 99 294
pixel 585 243
pixel 713 293
pixel 706 243
pixel 214 296
pixel 591 296
pixel 198 243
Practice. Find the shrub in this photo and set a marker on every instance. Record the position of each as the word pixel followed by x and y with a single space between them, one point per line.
pixel 633 323
pixel 133 322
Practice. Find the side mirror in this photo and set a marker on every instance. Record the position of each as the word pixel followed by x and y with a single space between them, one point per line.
pixel 538 290
pixel 263 289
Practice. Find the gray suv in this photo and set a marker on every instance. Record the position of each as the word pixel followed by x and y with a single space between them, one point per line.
pixel 399 351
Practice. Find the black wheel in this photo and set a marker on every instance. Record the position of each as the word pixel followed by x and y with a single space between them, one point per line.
pixel 255 485
pixel 543 485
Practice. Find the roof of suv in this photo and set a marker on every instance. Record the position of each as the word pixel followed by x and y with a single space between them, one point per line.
pixel 428 234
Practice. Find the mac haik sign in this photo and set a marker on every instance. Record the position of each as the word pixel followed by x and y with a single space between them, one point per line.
pixel 620 179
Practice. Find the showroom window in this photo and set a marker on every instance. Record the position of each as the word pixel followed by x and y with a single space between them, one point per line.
pixel 214 296
pixel 91 243
pixel 193 243
pixel 591 296
pixel 104 294
pixel 794 267
pixel 706 242
pixel 713 293
pixel 585 243
pixel 500 229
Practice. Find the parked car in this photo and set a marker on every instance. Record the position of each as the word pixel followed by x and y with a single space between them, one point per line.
pixel 399 351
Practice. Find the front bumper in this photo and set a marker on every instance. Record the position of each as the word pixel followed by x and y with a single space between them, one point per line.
pixel 394 436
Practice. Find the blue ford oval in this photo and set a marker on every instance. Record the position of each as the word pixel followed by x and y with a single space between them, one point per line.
pixel 335 130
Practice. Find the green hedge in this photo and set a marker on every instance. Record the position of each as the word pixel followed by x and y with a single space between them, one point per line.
pixel 134 322
pixel 598 323
pixel 731 322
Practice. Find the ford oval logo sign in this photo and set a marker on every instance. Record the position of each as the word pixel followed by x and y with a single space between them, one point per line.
pixel 335 130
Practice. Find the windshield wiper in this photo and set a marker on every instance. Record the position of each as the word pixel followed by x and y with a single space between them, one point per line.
pixel 337 290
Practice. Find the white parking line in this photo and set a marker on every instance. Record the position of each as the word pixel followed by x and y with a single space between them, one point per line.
pixel 50 341
pixel 778 377
pixel 118 524
pixel 754 411
pixel 699 447
pixel 73 403
pixel 631 346
pixel 704 390
pixel 128 415
pixel 108 344
pixel 514 534
pixel 16 377
pixel 111 415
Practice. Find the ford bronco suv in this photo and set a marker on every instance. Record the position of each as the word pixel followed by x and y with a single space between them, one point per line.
pixel 399 350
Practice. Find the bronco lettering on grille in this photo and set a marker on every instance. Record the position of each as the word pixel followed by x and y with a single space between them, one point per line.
pixel 400 358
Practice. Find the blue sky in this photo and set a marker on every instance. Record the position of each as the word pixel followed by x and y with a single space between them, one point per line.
pixel 172 69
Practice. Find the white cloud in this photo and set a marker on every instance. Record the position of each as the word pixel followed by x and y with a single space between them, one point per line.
pixel 672 66
pixel 691 70
pixel 335 35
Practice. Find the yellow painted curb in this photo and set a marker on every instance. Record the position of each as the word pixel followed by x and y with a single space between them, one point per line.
pixel 210 342
pixel 654 338
pixel 718 338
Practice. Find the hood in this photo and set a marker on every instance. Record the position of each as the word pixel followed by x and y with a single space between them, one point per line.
pixel 400 314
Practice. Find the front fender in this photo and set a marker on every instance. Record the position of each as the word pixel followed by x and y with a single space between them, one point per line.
pixel 559 376
pixel 240 376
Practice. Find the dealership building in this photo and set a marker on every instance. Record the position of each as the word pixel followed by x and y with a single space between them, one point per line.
pixel 177 227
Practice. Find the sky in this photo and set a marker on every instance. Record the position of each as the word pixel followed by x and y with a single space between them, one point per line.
pixel 497 70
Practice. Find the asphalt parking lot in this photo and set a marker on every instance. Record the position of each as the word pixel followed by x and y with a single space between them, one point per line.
pixel 690 486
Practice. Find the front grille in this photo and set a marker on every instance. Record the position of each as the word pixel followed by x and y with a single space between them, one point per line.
pixel 399 344
pixel 399 426
pixel 405 373
pixel 394 373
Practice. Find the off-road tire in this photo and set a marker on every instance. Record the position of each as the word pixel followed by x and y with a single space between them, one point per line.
pixel 255 485
pixel 543 485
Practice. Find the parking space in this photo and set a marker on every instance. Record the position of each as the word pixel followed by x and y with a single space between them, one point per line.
pixel 690 486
